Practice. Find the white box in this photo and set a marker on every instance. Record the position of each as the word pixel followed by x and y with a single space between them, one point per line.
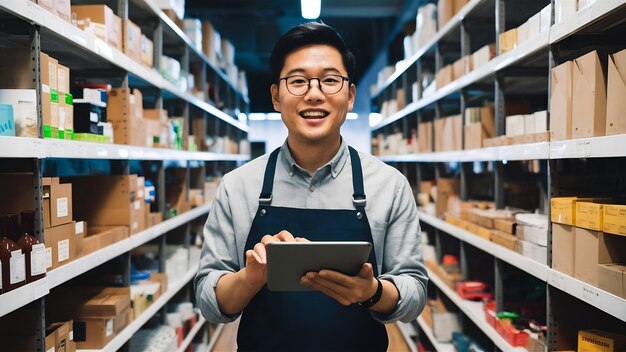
pixel 564 10
pixel 529 124
pixel 541 121
pixel 546 14
pixel 515 125
pixel 522 33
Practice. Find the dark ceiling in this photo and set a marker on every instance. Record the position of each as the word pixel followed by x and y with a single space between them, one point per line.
pixel 254 25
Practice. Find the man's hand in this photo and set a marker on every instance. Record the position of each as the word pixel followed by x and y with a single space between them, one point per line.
pixel 343 288
pixel 256 258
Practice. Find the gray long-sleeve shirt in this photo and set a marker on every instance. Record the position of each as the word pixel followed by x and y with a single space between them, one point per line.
pixel 390 209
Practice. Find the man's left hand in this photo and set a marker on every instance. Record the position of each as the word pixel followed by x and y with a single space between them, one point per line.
pixel 344 289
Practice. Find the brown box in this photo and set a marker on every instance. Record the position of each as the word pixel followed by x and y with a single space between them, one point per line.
pixel 445 188
pixel 49 74
pixel 211 43
pixel 445 12
pixel 65 113
pixel 482 56
pixel 503 239
pixel 473 136
pixel 593 248
pixel 598 340
pixel 488 120
pixel 561 90
pixel 199 128
pixel 147 51
pixel 444 76
pixel 57 202
pixel 60 245
pixel 97 332
pixel 461 67
pixel 425 137
pixel 63 334
pixel 505 225
pixel 448 133
pixel 588 97
pixel 103 236
pixel 63 9
pixel 104 16
pixel 563 210
pixel 508 41
pixel 162 279
pixel 615 93
pixel 63 79
pixel 614 219
pixel 122 111
pixel 612 278
pixel 459 4
pixel 15 69
pixel 563 244
pixel 110 203
pixel 589 215
pixel 80 231
pixel 132 40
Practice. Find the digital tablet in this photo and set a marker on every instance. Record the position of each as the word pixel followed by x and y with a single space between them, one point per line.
pixel 287 262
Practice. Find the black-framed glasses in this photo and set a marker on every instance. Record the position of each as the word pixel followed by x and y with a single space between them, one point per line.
pixel 328 84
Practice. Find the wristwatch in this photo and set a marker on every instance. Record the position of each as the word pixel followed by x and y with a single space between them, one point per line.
pixel 375 298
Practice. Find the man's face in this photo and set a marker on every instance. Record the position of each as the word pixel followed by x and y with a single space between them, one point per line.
pixel 314 117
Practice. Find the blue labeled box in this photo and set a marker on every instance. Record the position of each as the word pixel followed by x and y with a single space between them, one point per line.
pixel 7 122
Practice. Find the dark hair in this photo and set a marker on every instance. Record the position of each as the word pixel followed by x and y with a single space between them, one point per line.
pixel 307 34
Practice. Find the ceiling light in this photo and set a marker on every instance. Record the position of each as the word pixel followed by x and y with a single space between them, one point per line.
pixel 311 8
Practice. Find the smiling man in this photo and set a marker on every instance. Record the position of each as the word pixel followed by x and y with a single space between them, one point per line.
pixel 313 188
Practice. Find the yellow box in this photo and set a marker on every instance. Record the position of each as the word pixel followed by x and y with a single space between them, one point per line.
pixel 589 215
pixel 614 219
pixel 600 341
pixel 563 210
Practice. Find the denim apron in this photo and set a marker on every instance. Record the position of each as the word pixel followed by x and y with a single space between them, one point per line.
pixel 309 320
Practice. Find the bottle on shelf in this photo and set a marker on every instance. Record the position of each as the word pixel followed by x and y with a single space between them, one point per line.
pixel 12 258
pixel 34 251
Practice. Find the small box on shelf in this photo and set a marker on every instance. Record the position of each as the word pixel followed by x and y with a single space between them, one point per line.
pixel 101 21
pixel 563 248
pixel 561 95
pixel 614 219
pixel 588 97
pixel 616 91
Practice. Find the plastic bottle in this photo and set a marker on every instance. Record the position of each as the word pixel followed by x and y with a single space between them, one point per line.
pixel 12 259
pixel 34 251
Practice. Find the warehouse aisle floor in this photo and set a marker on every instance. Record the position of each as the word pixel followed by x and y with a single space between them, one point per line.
pixel 228 339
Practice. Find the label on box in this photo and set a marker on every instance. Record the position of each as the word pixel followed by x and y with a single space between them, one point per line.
pixel 62 209
pixel 64 250
pixel 93 117
pixel 48 257
pixel 38 259
pixel 71 335
pixel 45 88
pixel 137 205
pixel 132 99
pixel 18 267
pixel 109 327
pixel 79 227
pixel 61 118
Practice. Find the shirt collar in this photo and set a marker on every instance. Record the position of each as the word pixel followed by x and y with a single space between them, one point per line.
pixel 336 164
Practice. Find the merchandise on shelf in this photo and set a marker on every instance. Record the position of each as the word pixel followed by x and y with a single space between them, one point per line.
pixel 612 278
pixel 482 56
pixel 193 29
pixel 131 42
pixel 101 21
pixel 561 90
pixel 24 106
pixel 564 10
pixel 425 26
pixel 60 337
pixel 161 339
pixel 176 6
pixel 588 97
pixel 592 248
pixel 508 40
pixel 615 92
pixel 211 43
pixel 34 251
pixel 563 252
pixel 600 341
pixel 147 51
pixel 479 125
pixel 7 121
pixel 614 217
pixel 444 76
pixel 443 318
pixel 448 133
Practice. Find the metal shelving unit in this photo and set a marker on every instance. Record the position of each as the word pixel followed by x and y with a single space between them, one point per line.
pixel 439 346
pixel 81 51
pixel 496 81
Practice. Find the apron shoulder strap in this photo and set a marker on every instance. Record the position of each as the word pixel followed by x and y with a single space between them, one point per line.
pixel 358 198
pixel 268 181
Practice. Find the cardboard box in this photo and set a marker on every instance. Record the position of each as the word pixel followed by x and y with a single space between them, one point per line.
pixel 15 68
pixel 473 136
pixel 147 51
pixel 445 12
pixel 97 332
pixel 612 278
pixel 503 239
pixel 102 236
pixel 533 251
pixel 448 133
pixel 589 215
pixel 80 231
pixel 508 41
pixel 588 97
pixel 63 79
pixel 563 244
pixel 63 9
pixel 425 137
pixel 444 76
pixel 122 113
pixel 600 341
pixel 563 210
pixel 615 93
pixel 561 95
pixel 60 245
pixel 483 55
pixel 522 33
pixel 112 204
pixel 57 202
pixel 132 40
pixel 487 118
pixel 564 10
pixel 540 121
pixel 103 22
pixel 63 333
pixel 593 248
pixel 461 67
pixel 211 43
pixel 614 219
pixel 446 187
pixel 515 125
pixel 505 225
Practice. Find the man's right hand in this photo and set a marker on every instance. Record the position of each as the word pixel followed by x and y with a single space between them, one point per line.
pixel 256 258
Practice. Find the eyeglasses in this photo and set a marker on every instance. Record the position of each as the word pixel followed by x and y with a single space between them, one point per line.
pixel 328 84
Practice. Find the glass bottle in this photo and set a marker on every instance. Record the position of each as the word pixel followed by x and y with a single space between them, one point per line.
pixel 12 259
pixel 34 251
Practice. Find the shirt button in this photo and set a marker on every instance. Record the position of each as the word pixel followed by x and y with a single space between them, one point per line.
pixel 291 173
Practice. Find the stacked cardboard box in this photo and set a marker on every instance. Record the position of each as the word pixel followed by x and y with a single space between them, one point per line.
pixel 448 133
pixel 479 125
pixel 101 21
